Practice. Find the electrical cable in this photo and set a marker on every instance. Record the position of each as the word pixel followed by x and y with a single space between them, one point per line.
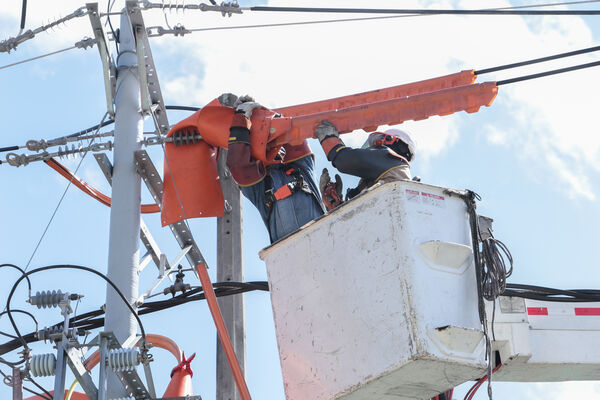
pixel 554 295
pixel 548 73
pixel 186 108
pixel 43 396
pixel 494 267
pixel 366 18
pixel 419 11
pixel 23 13
pixel 93 319
pixel 537 60
pixel 67 266
pixel 30 379
pixel 109 7
pixel 22 312
pixel 61 200
pixel 112 121
pixel 20 270
pixel 471 392
pixel 38 57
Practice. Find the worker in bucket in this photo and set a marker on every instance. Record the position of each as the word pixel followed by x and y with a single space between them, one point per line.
pixel 285 193
pixel 384 157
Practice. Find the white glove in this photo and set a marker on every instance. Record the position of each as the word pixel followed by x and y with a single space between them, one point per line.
pixel 326 129
pixel 248 107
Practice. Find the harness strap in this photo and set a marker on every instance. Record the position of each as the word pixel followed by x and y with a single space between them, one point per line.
pixel 285 191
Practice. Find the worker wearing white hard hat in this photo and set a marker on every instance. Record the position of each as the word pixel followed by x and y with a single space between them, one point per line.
pixel 384 157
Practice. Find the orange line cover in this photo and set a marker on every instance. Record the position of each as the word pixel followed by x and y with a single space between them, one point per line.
pixel 197 191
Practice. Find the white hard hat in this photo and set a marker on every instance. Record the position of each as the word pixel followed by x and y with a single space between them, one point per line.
pixel 406 138
pixel 397 133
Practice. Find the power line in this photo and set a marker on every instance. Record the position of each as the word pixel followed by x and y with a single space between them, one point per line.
pixel 82 44
pixel 60 201
pixel 548 73
pixel 419 11
pixel 180 31
pixel 36 58
pixel 537 60
pixel 23 13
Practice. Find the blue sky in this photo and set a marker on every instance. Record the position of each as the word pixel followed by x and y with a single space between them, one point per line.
pixel 533 156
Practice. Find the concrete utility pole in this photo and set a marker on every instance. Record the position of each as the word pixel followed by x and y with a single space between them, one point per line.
pixel 123 250
pixel 230 269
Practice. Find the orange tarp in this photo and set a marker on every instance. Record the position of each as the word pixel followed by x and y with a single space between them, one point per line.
pixel 194 168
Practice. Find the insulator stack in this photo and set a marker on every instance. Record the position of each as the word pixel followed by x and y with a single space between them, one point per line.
pixel 123 359
pixel 44 334
pixel 66 152
pixel 186 137
pixel 47 299
pixel 43 365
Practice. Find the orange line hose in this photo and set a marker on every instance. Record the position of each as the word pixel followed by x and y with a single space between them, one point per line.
pixel 213 305
pixel 90 190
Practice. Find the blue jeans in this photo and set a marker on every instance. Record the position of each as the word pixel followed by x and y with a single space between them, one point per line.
pixel 289 214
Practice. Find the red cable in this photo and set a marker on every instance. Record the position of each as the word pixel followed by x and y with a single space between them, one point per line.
pixel 477 385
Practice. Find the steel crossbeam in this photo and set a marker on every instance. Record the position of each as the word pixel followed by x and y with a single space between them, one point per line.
pixel 154 182
pixel 108 67
pixel 152 100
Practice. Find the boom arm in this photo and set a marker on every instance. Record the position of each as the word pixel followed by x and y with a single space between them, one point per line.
pixel 187 166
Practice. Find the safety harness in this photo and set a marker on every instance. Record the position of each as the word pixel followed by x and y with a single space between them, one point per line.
pixel 297 184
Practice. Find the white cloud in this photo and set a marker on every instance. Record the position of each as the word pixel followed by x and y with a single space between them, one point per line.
pixel 549 122
pixel 564 391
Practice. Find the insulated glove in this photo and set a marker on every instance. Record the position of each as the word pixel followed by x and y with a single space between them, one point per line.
pixel 331 192
pixel 245 105
pixel 227 99
pixel 325 130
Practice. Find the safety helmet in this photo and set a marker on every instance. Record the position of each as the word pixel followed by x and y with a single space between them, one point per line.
pixel 391 137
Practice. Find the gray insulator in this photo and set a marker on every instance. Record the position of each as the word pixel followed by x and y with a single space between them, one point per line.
pixel 123 359
pixel 43 365
pixel 47 299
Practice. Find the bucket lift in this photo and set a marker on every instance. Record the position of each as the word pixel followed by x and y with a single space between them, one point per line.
pixel 378 300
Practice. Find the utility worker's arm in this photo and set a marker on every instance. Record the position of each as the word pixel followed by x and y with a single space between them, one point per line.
pixel 365 163
pixel 244 168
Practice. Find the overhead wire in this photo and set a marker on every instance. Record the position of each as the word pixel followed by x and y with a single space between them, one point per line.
pixel 363 18
pixel 37 57
pixel 61 200
pixel 537 60
pixel 23 14
pixel 419 11
pixel 547 73
pixel 108 14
